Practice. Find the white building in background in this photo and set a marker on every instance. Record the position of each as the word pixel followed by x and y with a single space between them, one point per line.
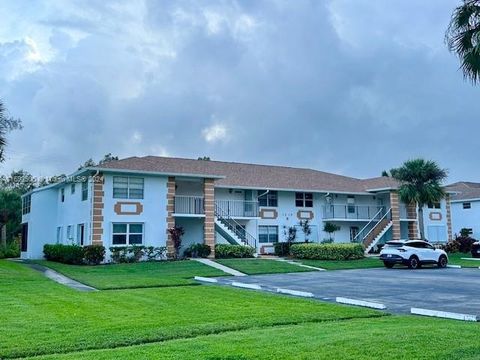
pixel 465 207
pixel 135 201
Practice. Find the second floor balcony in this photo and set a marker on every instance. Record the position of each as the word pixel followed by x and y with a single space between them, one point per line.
pixel 353 212
pixel 194 205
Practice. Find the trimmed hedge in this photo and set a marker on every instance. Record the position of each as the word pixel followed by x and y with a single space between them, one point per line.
pixel 94 254
pixel 224 251
pixel 67 254
pixel 327 251
pixel 197 250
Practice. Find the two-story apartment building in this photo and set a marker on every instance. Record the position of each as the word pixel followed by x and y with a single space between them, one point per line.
pixel 135 201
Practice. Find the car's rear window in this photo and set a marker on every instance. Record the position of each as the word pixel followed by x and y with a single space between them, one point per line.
pixel 393 244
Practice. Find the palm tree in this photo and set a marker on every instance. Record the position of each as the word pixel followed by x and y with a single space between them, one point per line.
pixel 7 124
pixel 463 38
pixel 420 183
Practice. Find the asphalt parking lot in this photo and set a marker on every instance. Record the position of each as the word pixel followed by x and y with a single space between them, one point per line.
pixel 399 289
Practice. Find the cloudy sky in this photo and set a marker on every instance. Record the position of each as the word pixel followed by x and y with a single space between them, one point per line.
pixel 347 86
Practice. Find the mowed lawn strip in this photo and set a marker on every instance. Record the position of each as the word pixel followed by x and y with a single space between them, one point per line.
pixel 456 259
pixel 365 263
pixel 137 275
pixel 393 337
pixel 40 316
pixel 261 266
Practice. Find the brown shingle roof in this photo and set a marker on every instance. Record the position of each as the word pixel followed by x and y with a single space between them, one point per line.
pixel 253 175
pixel 464 190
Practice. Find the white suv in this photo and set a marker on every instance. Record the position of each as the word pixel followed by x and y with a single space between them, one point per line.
pixel 412 253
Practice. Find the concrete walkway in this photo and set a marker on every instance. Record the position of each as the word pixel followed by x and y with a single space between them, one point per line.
pixel 218 266
pixel 59 278
pixel 300 264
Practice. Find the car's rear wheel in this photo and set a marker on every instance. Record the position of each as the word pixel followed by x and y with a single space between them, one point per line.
pixel 413 263
pixel 442 261
pixel 388 265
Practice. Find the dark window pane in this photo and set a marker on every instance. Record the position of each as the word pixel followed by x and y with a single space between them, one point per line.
pixel 299 203
pixel 119 239
pixel 136 228
pixel 120 193
pixel 308 203
pixel 135 239
pixel 119 228
pixel 309 196
pixel 136 194
pixel 299 196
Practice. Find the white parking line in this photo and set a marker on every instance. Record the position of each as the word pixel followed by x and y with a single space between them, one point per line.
pixel 363 303
pixel 454 266
pixel 443 314
pixel 205 279
pixel 246 286
pixel 294 292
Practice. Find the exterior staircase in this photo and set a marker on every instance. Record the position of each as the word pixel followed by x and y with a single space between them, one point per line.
pixel 375 229
pixel 232 230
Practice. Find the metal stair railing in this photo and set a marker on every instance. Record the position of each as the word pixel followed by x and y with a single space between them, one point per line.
pixel 234 226
pixel 379 222
pixel 374 218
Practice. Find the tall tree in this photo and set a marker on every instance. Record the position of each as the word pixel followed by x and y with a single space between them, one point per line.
pixel 7 124
pixel 420 183
pixel 463 38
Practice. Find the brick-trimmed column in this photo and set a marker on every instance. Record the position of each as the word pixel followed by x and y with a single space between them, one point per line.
pixel 170 212
pixel 97 203
pixel 395 205
pixel 412 225
pixel 449 217
pixel 209 205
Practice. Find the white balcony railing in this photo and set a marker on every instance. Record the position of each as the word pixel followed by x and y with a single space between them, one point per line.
pixel 238 208
pixel 353 212
pixel 189 205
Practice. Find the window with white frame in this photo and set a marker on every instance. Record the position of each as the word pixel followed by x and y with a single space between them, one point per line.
pixel 434 205
pixel 26 204
pixel 126 187
pixel 269 199
pixel 467 205
pixel 124 234
pixel 303 199
pixel 267 234
pixel 70 233
pixel 84 190
pixel 351 204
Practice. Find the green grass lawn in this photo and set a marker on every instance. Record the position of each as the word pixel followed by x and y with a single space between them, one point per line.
pixel 261 266
pixel 456 259
pixel 39 316
pixel 368 262
pixel 392 337
pixel 137 275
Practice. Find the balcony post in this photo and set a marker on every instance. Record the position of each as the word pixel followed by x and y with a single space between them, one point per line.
pixel 394 204
pixel 412 225
pixel 209 206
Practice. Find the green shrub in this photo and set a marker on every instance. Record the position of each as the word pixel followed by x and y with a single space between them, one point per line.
pixel 127 254
pixel 223 251
pixel 327 251
pixel 67 254
pixel 197 250
pixel 94 254
pixel 282 248
pixel 10 250
pixel 153 253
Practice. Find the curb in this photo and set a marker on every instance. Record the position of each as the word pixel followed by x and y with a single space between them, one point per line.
pixel 205 279
pixel 443 314
pixel 362 303
pixel 454 266
pixel 246 286
pixel 295 292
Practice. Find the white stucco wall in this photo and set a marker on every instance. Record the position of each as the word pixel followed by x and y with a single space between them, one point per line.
pixel 41 221
pixel 153 216
pixel 435 223
pixel 466 218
